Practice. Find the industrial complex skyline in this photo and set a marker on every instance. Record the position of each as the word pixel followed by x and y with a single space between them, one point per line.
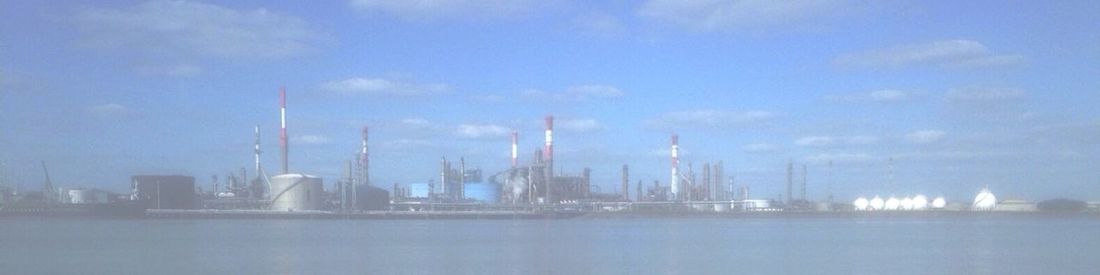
pixel 900 97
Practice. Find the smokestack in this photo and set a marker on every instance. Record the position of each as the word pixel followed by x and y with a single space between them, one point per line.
pixel 461 178
pixel 364 159
pixel 802 193
pixel 256 151
pixel 282 128
pixel 443 174
pixel 626 183
pixel 790 183
pixel 674 184
pixel 548 151
pixel 515 148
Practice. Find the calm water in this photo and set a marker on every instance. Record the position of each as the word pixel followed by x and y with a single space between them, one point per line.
pixel 581 246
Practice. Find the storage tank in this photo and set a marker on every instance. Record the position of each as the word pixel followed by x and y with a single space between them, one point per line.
pixel 892 204
pixel 920 202
pixel 985 200
pixel 86 196
pixel 482 192
pixel 290 192
pixel 939 203
pixel 877 203
pixel 861 204
pixel 907 203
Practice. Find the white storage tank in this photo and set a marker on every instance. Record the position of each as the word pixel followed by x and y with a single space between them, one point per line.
pixel 920 202
pixel 892 204
pixel 939 203
pixel 290 192
pixel 861 204
pixel 877 203
pixel 985 200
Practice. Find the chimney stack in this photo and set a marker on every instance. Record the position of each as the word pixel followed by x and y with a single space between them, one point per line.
pixel 282 129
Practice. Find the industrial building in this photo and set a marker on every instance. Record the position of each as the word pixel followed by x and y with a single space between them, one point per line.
pixel 165 192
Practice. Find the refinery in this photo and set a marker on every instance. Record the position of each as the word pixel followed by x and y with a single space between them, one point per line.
pixel 526 189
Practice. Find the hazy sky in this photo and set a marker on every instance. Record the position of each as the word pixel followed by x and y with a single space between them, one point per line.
pixel 960 94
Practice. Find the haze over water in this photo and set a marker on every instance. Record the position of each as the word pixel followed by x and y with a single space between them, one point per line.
pixel 974 245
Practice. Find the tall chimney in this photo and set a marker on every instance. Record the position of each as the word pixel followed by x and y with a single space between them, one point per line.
pixel 706 181
pixel 802 193
pixel 548 151
pixel 515 148
pixel 282 128
pixel 461 178
pixel 443 175
pixel 674 184
pixel 626 183
pixel 256 151
pixel 790 182
pixel 364 159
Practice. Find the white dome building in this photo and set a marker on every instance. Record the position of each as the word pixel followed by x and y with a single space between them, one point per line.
pixel 920 202
pixel 876 203
pixel 861 204
pixel 939 203
pixel 984 201
pixel 892 203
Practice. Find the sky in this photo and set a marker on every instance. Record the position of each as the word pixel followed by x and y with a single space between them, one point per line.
pixel 901 97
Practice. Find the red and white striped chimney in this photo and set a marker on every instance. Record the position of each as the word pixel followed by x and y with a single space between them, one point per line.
pixel 282 128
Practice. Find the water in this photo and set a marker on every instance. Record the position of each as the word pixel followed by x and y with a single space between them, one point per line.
pixel 970 245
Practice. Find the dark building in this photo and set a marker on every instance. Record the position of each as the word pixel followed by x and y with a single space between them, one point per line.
pixel 165 192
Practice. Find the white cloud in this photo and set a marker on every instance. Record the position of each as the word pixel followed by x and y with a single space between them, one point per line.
pixel 182 30
pixel 382 87
pixel 181 70
pixel 710 119
pixel 983 94
pixel 815 141
pixel 575 93
pixel 110 110
pixel 482 131
pixel 438 9
pixel 759 148
pixel 599 24
pixel 925 136
pixel 839 158
pixel 311 139
pixel 882 96
pixel 717 15
pixel 862 140
pixel 577 125
pixel 946 53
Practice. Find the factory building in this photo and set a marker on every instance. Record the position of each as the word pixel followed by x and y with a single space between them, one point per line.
pixel 165 192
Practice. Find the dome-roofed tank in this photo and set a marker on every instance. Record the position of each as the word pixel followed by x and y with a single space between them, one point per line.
pixel 861 204
pixel 985 200
pixel 907 203
pixel 290 192
pixel 877 203
pixel 920 202
pixel 939 203
pixel 892 203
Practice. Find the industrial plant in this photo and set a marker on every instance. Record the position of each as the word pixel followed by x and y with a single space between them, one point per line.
pixel 526 189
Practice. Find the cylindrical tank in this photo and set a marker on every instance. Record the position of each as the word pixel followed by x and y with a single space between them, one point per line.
pixel 892 204
pixel 483 192
pixel 77 196
pixel 291 192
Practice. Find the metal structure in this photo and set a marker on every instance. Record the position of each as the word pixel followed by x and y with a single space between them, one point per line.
pixel 291 192
pixel 626 183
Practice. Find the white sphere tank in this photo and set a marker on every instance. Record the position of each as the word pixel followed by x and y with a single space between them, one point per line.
pixel 892 203
pixel 939 203
pixel 907 203
pixel 861 204
pixel 985 200
pixel 290 192
pixel 920 202
pixel 876 203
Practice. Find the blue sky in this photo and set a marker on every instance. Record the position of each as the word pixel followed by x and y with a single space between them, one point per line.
pixel 959 95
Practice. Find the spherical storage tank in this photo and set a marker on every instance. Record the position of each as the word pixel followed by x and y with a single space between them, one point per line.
pixel 482 192
pixel 291 192
pixel 861 204
pixel 877 203
pixel 920 202
pixel 907 203
pixel 892 203
pixel 985 200
pixel 939 203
